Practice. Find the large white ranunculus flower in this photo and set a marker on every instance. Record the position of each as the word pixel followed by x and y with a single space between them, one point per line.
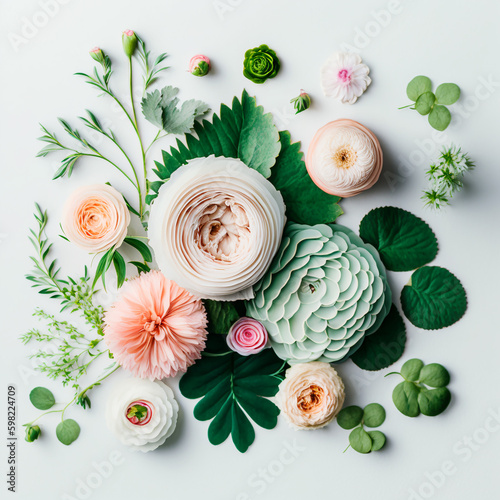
pixel 142 413
pixel 215 227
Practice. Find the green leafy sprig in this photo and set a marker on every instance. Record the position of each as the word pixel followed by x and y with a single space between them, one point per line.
pixel 356 418
pixel 426 102
pixel 423 390
pixel 446 176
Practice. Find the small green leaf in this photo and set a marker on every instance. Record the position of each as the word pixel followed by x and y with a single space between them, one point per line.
pixel 434 375
pixel 120 268
pixel 373 415
pixel 434 402
pixel 447 93
pixel 222 315
pixel 378 440
pixel 418 86
pixel 439 117
pixel 41 398
pixel 384 347
pixel 434 299
pixel 139 245
pixel 360 440
pixel 411 369
pixel 425 102
pixel 103 265
pixel 404 241
pixel 350 417
pixel 67 431
pixel 405 397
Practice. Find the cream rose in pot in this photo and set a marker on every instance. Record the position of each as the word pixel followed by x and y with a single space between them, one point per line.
pixel 311 395
pixel 215 227
pixel 95 218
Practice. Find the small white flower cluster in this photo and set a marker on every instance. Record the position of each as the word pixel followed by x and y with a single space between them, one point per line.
pixel 446 176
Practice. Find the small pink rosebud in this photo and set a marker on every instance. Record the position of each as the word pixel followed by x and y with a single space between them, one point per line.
pixel 129 40
pixel 97 54
pixel 247 336
pixel 199 65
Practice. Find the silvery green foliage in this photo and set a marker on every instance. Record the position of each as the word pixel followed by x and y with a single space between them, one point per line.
pixel 324 292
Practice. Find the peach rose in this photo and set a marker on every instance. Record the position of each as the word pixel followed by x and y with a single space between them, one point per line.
pixel 311 395
pixel 96 218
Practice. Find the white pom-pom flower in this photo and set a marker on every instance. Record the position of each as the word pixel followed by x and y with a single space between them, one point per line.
pixel 215 227
pixel 142 413
pixel 345 77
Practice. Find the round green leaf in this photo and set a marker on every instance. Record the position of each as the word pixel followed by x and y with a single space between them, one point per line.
pixel 405 397
pixel 411 369
pixel 434 298
pixel 418 86
pixel 378 440
pixel 404 241
pixel 42 398
pixel 67 431
pixel 385 346
pixel 350 417
pixel 360 440
pixel 435 375
pixel 447 93
pixel 439 117
pixel 434 402
pixel 373 415
pixel 425 102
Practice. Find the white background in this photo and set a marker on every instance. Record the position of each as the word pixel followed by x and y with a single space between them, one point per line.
pixel 451 40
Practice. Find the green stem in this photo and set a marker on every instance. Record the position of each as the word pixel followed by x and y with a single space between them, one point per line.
pixel 157 137
pixel 136 126
pixel 407 106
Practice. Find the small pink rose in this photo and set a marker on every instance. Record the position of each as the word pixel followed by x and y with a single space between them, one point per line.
pixel 199 65
pixel 247 336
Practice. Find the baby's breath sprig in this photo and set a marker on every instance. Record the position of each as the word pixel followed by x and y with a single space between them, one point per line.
pixel 446 176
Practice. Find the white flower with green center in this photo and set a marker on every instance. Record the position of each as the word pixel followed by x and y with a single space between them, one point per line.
pixel 324 292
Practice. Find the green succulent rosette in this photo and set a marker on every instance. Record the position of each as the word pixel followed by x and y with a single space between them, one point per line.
pixel 260 64
pixel 324 292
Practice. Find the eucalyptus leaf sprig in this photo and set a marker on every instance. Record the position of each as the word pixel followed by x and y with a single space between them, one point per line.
pixel 426 102
pixel 68 430
pixel 446 176
pixel 356 418
pixel 413 396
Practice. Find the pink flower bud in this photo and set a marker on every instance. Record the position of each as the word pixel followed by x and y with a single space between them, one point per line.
pixel 97 54
pixel 129 40
pixel 247 336
pixel 199 65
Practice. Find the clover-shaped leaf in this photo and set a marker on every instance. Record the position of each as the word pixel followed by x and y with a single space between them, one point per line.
pixel 447 93
pixel 418 86
pixel 41 398
pixel 232 387
pixel 350 417
pixel 425 102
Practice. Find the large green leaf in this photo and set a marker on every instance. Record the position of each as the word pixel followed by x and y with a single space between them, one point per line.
pixel 434 298
pixel 305 202
pixel 233 388
pixel 385 346
pixel 243 131
pixel 404 241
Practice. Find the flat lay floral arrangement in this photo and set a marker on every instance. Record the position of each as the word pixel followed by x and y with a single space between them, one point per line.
pixel 243 280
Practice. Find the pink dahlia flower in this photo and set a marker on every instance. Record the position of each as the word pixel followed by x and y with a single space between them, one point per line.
pixel 247 336
pixel 156 328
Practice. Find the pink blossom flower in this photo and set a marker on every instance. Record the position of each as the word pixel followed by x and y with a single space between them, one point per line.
pixel 345 77
pixel 128 33
pixel 247 336
pixel 155 329
pixel 199 65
